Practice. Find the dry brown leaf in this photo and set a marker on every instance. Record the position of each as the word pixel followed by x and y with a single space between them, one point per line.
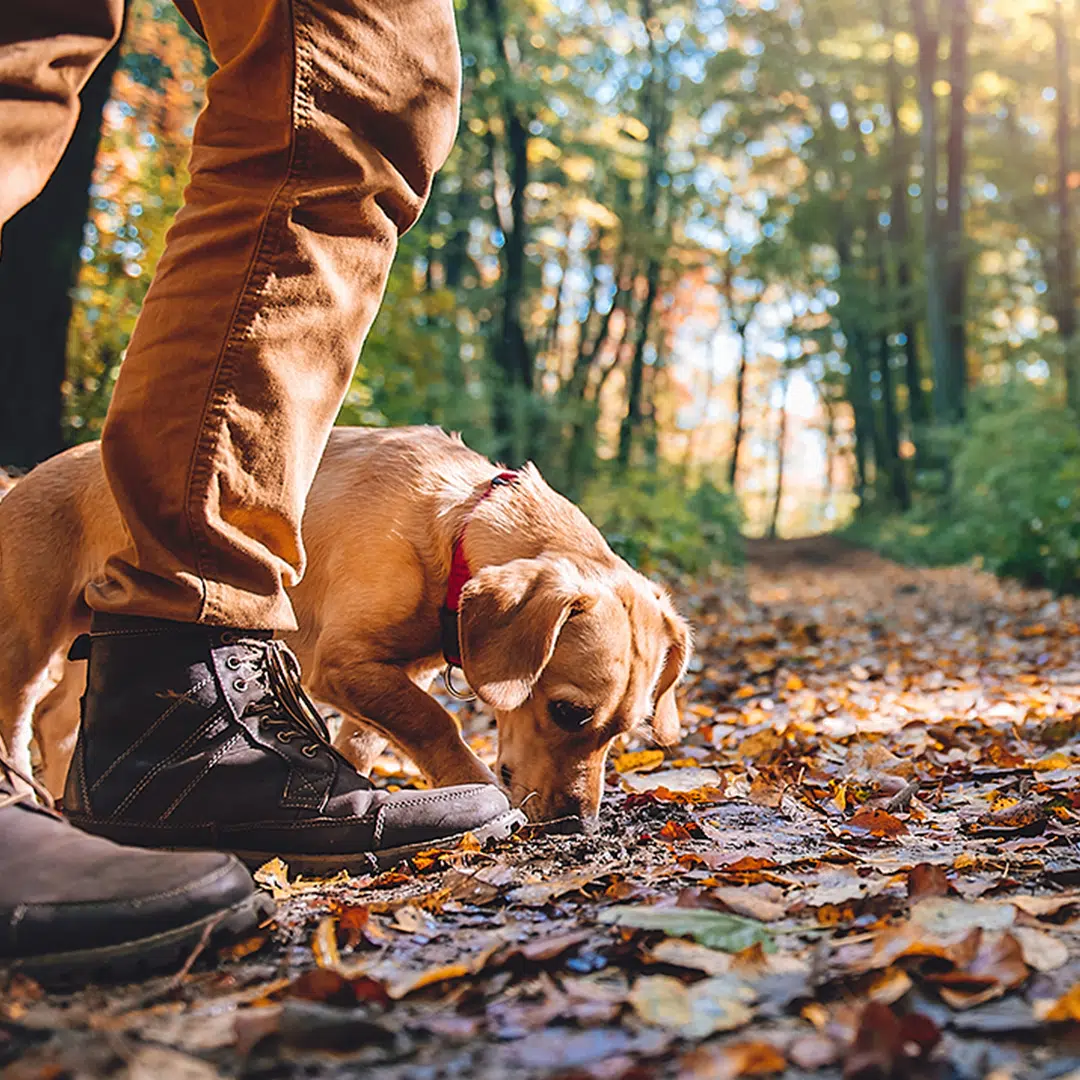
pixel 762 901
pixel 731 1060
pixel 877 823
pixel 927 879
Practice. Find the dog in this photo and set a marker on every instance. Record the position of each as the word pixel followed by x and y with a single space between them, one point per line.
pixel 420 552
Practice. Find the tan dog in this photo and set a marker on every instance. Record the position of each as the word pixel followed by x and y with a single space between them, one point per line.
pixel 568 644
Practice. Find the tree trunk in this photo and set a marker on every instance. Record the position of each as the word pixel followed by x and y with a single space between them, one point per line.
pixel 937 334
pixel 740 409
pixel 37 273
pixel 955 243
pixel 631 422
pixel 900 241
pixel 655 108
pixel 893 465
pixel 830 448
pixel 781 439
pixel 512 355
pixel 1065 286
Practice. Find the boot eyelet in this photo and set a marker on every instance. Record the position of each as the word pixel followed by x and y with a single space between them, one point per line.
pixel 239 685
pixel 283 736
pixel 310 750
pixel 227 638
pixel 233 663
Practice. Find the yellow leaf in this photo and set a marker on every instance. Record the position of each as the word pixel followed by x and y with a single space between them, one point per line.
pixel 1052 762
pixel 794 683
pixel 324 944
pixel 274 876
pixel 410 983
pixel 1067 1007
pixel 470 843
pixel 639 760
pixel 965 860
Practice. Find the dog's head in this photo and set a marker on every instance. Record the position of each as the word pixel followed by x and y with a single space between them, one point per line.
pixel 570 656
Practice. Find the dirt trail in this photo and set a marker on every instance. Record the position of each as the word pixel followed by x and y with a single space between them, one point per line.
pixel 862 860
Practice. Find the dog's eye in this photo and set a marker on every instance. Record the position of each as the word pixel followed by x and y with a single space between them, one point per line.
pixel 568 716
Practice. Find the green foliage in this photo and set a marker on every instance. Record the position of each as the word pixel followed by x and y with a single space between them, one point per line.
pixel 714 929
pixel 655 524
pixel 1013 500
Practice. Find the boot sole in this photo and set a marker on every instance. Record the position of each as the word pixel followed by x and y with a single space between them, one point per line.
pixel 386 858
pixel 131 961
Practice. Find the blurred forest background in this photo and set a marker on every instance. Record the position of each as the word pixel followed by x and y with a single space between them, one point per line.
pixel 773 265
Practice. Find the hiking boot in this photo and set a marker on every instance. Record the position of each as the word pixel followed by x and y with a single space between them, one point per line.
pixel 77 908
pixel 202 737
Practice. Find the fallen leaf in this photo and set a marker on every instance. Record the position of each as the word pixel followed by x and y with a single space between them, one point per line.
pixel 692 1012
pixel 673 781
pixel 1064 1010
pixel 638 761
pixel 1052 762
pixel 1045 906
pixel 813 1052
pixel 877 823
pixel 888 1046
pixel 274 875
pixel 1025 818
pixel 745 900
pixel 324 943
pixel 926 880
pixel 730 1061
pixel 716 929
pixel 1041 951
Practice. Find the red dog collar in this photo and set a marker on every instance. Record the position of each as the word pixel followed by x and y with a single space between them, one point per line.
pixel 460 573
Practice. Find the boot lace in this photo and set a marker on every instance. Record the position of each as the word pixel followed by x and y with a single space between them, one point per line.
pixel 285 705
pixel 34 792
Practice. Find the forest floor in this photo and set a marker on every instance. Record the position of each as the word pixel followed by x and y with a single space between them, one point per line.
pixel 862 861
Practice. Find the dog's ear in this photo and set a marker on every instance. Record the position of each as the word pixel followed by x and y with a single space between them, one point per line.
pixel 509 623
pixel 665 723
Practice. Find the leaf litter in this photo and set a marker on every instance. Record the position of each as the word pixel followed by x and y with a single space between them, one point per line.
pixel 861 861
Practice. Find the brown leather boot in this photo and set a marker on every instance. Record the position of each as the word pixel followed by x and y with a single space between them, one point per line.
pixel 202 737
pixel 77 908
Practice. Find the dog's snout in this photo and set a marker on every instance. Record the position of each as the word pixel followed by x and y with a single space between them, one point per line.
pixel 572 824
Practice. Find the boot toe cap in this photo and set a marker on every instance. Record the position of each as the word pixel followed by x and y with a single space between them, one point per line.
pixel 420 816
pixel 143 896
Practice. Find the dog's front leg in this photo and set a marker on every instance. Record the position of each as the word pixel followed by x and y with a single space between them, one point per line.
pixel 410 718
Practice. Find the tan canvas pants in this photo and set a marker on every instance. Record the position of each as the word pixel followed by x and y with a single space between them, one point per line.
pixel 324 126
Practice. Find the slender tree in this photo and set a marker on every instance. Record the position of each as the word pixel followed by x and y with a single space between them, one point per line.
pixel 1065 284
pixel 937 332
pixel 781 452
pixel 900 240
pixel 956 261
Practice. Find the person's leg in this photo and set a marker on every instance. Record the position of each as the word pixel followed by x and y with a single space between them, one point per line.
pixel 72 906
pixel 325 123
pixel 48 49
